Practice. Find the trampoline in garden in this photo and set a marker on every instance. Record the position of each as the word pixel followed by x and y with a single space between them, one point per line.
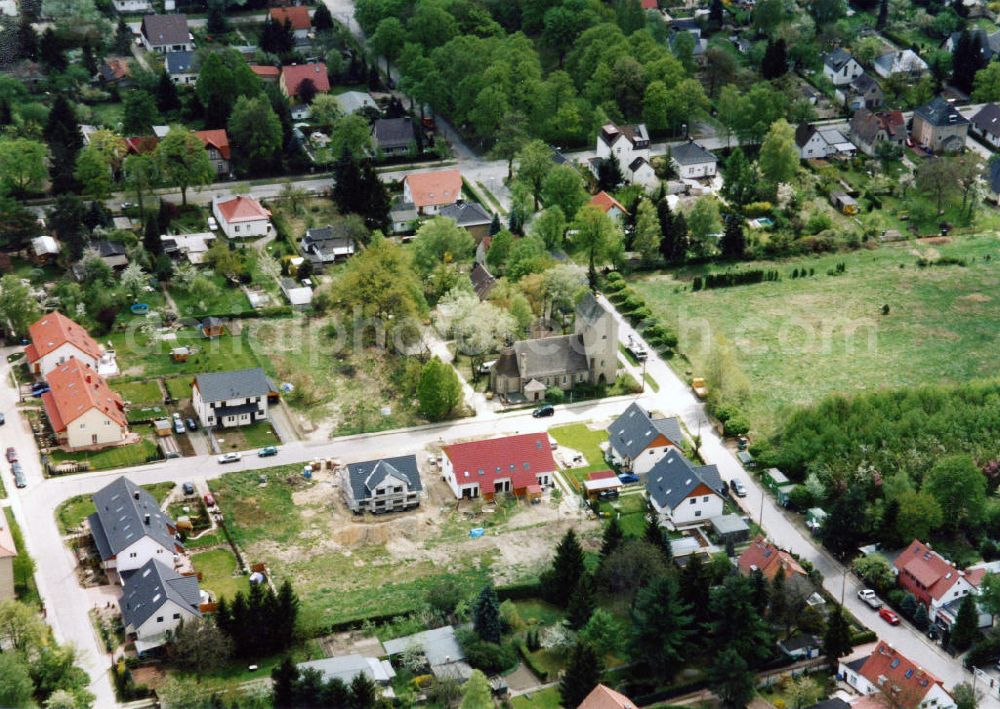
pixel 139 308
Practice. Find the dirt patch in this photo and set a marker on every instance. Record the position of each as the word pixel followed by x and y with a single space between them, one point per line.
pixel 929 254
pixel 149 676
pixel 935 240
pixel 976 298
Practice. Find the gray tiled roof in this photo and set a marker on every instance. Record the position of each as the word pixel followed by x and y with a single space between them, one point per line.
pixel 987 120
pixel 673 478
pixel 365 477
pixel 482 280
pixel 690 153
pixel 590 309
pixel 837 58
pixel 550 356
pixel 181 62
pixel 940 113
pixel 166 29
pixel 393 133
pixel 467 214
pixel 120 519
pixel 237 384
pixel 147 588
pixel 635 428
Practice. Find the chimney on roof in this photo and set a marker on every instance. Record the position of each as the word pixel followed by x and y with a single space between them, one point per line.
pixel 146 519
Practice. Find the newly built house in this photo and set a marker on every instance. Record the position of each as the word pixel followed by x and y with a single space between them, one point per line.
pixel 227 399
pixel 82 409
pixel 155 600
pixel 383 485
pixel 521 465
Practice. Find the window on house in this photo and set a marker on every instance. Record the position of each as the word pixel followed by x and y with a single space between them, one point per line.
pixel 159 619
pixel 236 228
pixel 697 513
pixel 705 498
pixel 177 616
pixel 132 555
pixel 694 500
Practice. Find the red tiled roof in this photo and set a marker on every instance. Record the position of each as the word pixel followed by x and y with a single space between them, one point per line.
pixel 298 16
pixel 242 209
pixel 604 202
pixel 293 76
pixel 75 390
pixel 265 72
pixel 930 569
pixel 7 546
pixel 603 697
pixel 763 555
pixel 650 5
pixel 141 145
pixel 118 67
pixel 54 330
pixel 434 188
pixel 913 681
pixel 520 458
pixel 217 139
pixel 601 475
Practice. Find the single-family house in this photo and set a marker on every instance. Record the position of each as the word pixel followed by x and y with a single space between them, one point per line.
pixel 440 648
pixel 603 697
pixel 292 76
pixel 235 398
pixel 430 191
pixel 863 92
pixel 130 7
pixel 130 529
pixel 520 465
pixel 692 161
pixel 347 667
pixel 869 129
pixel 182 67
pixel 986 124
pixel 141 144
pixel 155 600
pixel 324 245
pixel 905 62
pixel 939 127
pixel 8 552
pixel 82 409
pixel 932 579
pixel 637 441
pixel 298 295
pixel 166 33
pixel 241 217
pixel 266 73
pixel 114 72
pixel 801 646
pixel 403 217
pixel 394 136
pixel 609 205
pixel 887 671
pixel 768 559
pixel 482 280
pixel 684 494
pixel 297 18
pixel 44 250
pixel 816 142
pixel 470 216
pixel 354 101
pixel 629 145
pixel 590 354
pixel 989 43
pixel 55 339
pixel 191 247
pixel 840 67
pixel 216 144
pixel 383 485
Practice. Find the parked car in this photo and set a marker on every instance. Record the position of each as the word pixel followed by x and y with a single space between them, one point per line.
pixel 11 454
pixel 868 596
pixel 209 500
pixel 212 224
pixel 888 616
pixel 230 458
pixel 18 472
pixel 608 495
pixel 627 478
pixel 543 410
pixel 268 451
pixel 738 488
pixel 40 388
pixel 192 425
pixel 178 425
pixel 2 420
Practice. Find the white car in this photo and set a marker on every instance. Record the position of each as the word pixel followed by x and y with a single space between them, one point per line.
pixel 230 458
pixel 212 224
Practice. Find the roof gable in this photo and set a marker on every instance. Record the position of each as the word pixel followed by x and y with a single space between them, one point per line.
pixel 766 557
pixel 166 29
pixel 120 520
pixel 635 430
pixel 913 681
pixel 297 16
pixel 217 138
pixel 434 188
pixel 293 75
pixel 603 201
pixel 242 208
pixel 365 477
pixel 53 330
pixel 75 389
pixel 673 479
pixel 690 153
pixel 147 589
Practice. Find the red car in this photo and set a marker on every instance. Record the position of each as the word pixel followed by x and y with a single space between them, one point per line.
pixel 888 616
pixel 209 500
pixel 11 455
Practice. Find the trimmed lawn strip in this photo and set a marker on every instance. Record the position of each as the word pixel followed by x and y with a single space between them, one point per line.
pixel 179 387
pixel 217 568
pixel 71 513
pixel 548 698
pixel 580 438
pixel 118 457
pixel 139 394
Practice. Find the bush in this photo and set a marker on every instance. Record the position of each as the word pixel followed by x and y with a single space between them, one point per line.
pixel 758 209
pixel 801 498
pixel 736 426
pixel 526 651
pixel 488 657
pixel 554 395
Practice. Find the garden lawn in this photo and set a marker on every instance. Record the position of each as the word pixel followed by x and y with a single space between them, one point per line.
pixel 540 612
pixel 119 457
pixel 580 437
pixel 217 568
pixel 798 340
pixel 545 699
pixel 71 513
pixel 139 394
pixel 179 387
pixel 138 357
pixel 257 435
pixel 231 300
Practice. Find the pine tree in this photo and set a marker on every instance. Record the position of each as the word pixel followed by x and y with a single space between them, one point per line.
pixel 581 676
pixel 661 625
pixel 731 679
pixel 66 220
pixel 760 593
pixel 123 37
pixel 613 536
pixel 883 15
pixel 346 179
pixel 656 536
pixel 734 241
pixel 62 132
pixel 50 50
pixel 287 606
pixel 609 174
pixel 715 17
pixel 967 59
pixel 376 203
pixel 837 638
pixel 322 19
pixel 581 604
pixel 495 226
pixel 364 693
pixel 736 623
pixel 694 586
pixel 567 568
pixel 779 598
pixel 666 218
pixel 775 62
pixel 27 40
pixel 966 628
pixel 486 615
pixel 283 678
pixel 151 238
pixel 920 618
pixel 167 99
pixel 87 57
pixel 681 239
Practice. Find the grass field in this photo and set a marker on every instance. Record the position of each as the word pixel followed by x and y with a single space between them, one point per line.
pixel 580 438
pixel 798 340
pixel 179 387
pixel 230 300
pixel 258 435
pixel 71 513
pixel 121 456
pixel 139 357
pixel 140 393
pixel 217 567
pixel 545 699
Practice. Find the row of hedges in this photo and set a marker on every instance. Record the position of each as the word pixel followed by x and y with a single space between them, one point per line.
pixel 539 672
pixel 733 278
pixel 634 308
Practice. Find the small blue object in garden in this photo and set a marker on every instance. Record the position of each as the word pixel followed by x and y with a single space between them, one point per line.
pixel 139 308
pixel 307 473
pixel 476 533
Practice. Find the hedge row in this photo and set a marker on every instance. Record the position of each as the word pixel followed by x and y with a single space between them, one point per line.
pixel 733 278
pixel 539 672
pixel 631 305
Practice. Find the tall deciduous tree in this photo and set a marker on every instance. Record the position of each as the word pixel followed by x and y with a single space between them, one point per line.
pixel 183 161
pixel 959 487
pixel 139 113
pixel 18 307
pixel 388 40
pixel 779 156
pixel 598 237
pixel 141 174
pixel 534 162
pixel 255 132
pixel 563 188
pixel 439 391
pixel 22 166
pixel 477 693
pixel 648 233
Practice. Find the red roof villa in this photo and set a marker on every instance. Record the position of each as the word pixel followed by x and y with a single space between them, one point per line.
pixel 516 464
